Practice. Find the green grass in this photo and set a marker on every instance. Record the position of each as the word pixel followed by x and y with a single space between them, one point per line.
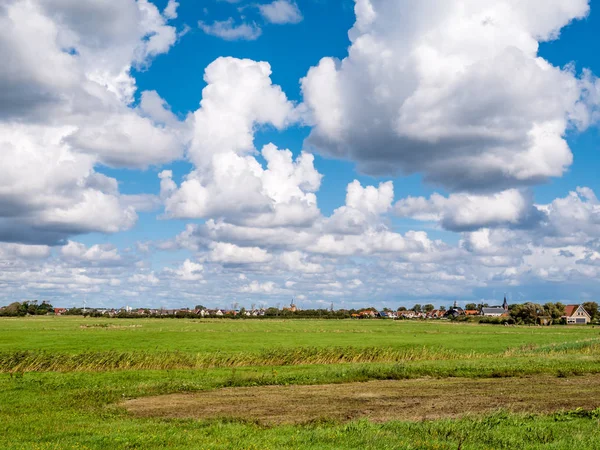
pixel 77 334
pixel 73 372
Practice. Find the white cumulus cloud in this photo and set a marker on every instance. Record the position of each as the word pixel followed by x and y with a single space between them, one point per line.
pixel 281 12
pixel 453 90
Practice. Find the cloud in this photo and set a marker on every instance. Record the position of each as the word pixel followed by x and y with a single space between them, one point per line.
pixel 189 271
pixel 228 30
pixel 297 262
pixel 572 220
pixel 96 253
pixel 128 140
pixel 258 288
pixel 48 192
pixel 362 209
pixel 281 12
pixel 239 98
pixel 144 279
pixel 228 181
pixel 65 107
pixel 461 212
pixel 454 91
pixel 226 253
pixel 10 251
pixel 238 189
pixel 170 11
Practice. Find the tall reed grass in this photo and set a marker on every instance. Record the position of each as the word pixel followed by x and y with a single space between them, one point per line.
pixel 42 361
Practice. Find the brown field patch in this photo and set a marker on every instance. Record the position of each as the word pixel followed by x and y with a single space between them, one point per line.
pixel 377 400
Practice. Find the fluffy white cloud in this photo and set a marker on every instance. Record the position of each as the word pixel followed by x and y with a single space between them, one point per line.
pixel 189 271
pixel 126 139
pixel 79 252
pixel 144 279
pixel 454 90
pixel 363 207
pixel 574 219
pixel 228 181
pixel 238 189
pixel 48 192
pixel 86 48
pixel 297 262
pixel 258 288
pixel 281 12
pixel 170 11
pixel 239 97
pixel 65 107
pixel 228 30
pixel 466 211
pixel 227 253
pixel 10 251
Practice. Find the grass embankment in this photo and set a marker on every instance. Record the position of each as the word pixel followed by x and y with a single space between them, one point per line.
pixel 68 377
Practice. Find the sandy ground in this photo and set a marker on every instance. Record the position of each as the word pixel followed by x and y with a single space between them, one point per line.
pixel 377 400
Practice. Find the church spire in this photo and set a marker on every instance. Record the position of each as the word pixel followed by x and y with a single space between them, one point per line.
pixel 505 304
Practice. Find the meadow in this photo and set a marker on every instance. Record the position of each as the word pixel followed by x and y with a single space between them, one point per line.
pixel 74 382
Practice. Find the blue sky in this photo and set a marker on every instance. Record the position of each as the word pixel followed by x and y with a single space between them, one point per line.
pixel 439 151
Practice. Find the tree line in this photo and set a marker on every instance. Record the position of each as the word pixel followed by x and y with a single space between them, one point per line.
pixel 526 313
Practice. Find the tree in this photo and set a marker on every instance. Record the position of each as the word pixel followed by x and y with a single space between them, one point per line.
pixel 402 308
pixel 199 307
pixel 442 308
pixel 471 306
pixel 554 310
pixel 429 307
pixel 14 309
pixel 592 309
pixel 416 308
pixel 527 313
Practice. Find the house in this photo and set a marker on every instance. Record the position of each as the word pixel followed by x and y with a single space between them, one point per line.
pixel 471 312
pixel 59 311
pixel 453 312
pixel 576 315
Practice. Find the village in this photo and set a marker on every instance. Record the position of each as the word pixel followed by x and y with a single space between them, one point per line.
pixel 550 313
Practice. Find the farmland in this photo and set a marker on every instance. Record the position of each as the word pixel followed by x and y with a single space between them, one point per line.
pixel 73 382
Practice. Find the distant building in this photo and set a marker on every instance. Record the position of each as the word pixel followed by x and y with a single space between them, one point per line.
pixel 496 311
pixel 291 308
pixel 576 315
pixel 493 311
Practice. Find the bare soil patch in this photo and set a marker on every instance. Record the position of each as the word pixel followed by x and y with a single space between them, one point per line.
pixel 377 400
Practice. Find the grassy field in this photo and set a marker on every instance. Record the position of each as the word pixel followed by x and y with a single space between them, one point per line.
pixel 70 382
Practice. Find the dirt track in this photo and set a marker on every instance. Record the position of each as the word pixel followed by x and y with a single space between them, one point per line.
pixel 377 400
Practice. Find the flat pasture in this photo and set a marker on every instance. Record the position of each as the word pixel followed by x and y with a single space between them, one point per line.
pixel 78 334
pixel 96 383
